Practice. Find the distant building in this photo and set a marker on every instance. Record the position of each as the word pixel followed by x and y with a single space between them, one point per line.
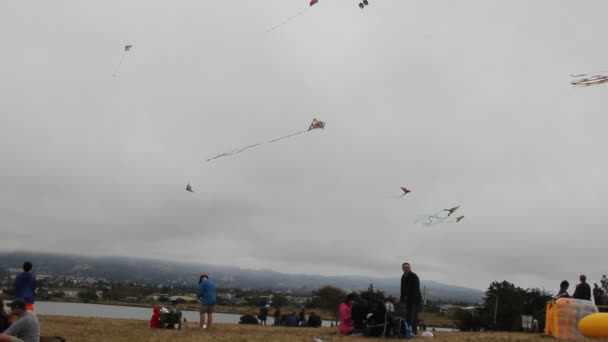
pixel 298 300
pixel 70 294
pixel 225 295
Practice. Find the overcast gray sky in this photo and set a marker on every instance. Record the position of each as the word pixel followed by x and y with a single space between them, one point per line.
pixel 465 102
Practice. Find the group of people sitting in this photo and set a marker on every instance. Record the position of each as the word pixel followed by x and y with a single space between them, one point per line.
pixel 294 320
pixel 163 318
pixel 362 315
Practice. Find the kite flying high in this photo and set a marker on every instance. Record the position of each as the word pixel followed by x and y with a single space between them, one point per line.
pixel 127 49
pixel 315 124
pixel 586 80
pixel 451 210
pixel 189 188
pixel 405 191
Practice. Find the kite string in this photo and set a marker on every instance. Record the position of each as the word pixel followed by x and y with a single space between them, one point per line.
pixel 287 20
pixel 120 63
pixel 243 149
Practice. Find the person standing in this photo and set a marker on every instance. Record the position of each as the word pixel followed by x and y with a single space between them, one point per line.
pixel 410 296
pixel 26 328
pixel 207 293
pixel 302 318
pixel 25 286
pixel 527 316
pixel 583 290
pixel 263 315
pixel 563 290
pixel 277 316
pixel 597 294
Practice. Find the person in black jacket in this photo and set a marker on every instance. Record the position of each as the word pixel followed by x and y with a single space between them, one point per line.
pixel 314 320
pixel 359 313
pixel 583 290
pixel 410 296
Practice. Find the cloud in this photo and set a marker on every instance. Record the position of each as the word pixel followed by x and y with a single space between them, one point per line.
pixel 466 103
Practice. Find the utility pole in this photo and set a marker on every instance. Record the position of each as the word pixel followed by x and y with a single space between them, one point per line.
pixel 423 298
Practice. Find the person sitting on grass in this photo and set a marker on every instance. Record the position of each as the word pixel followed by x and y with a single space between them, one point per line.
pixel 359 312
pixel 292 320
pixel 314 320
pixel 26 328
pixel 155 319
pixel 346 320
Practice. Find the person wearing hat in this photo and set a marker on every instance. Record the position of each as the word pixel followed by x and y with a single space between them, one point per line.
pixel 26 328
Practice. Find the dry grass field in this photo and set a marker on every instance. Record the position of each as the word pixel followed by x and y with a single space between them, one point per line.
pixel 97 329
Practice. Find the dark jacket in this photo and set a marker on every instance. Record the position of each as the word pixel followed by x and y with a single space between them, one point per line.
pixel 263 314
pixel 5 320
pixel 314 321
pixel 583 291
pixel 25 287
pixel 359 314
pixel 410 289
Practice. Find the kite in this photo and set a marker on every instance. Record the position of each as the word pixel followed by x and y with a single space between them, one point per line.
pixel 586 80
pixel 405 191
pixel 456 220
pixel 363 4
pixel 189 188
pixel 127 49
pixel 439 217
pixel 451 210
pixel 315 124
pixel 312 2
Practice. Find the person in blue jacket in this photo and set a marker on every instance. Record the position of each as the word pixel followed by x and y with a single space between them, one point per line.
pixel 207 294
pixel 25 286
pixel 292 320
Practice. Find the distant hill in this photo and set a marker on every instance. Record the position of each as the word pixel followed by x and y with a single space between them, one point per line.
pixel 157 272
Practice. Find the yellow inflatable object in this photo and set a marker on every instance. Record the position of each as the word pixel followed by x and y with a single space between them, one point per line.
pixel 563 316
pixel 594 326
